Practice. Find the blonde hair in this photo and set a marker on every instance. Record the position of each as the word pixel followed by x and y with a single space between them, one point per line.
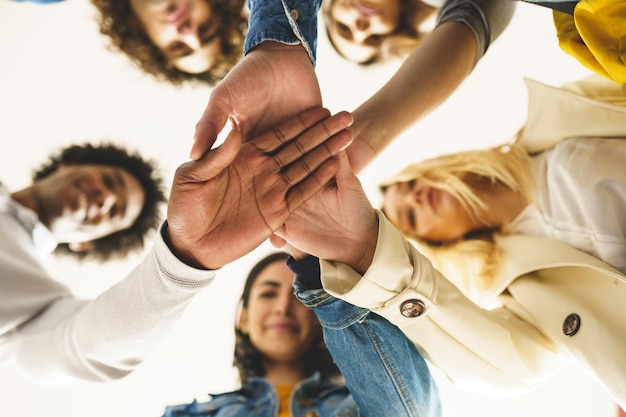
pixel 476 256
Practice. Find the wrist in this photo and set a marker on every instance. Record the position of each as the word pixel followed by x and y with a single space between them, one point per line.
pixel 182 255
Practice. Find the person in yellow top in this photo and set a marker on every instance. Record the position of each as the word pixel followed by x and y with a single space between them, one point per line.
pixel 284 363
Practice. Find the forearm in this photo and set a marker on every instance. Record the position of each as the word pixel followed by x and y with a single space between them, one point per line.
pixel 290 22
pixel 427 77
pixel 107 337
pixel 494 352
pixel 430 74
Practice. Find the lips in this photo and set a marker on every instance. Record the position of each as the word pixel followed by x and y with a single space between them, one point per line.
pixel 177 16
pixel 366 9
pixel 283 327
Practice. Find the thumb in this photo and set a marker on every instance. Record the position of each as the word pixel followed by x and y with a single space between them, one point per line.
pixel 277 241
pixel 216 160
pixel 209 126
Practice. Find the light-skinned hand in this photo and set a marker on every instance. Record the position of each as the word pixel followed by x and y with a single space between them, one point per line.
pixel 337 224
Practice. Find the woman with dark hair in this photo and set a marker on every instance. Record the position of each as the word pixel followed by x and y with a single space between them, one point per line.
pixel 176 41
pixel 285 366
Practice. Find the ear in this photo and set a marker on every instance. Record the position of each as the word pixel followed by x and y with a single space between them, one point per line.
pixel 243 321
pixel 81 246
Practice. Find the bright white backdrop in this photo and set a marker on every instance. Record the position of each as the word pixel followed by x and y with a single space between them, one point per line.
pixel 58 84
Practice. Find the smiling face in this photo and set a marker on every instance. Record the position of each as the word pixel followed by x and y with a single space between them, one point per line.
pixel 186 31
pixel 357 28
pixel 427 213
pixel 279 326
pixel 80 203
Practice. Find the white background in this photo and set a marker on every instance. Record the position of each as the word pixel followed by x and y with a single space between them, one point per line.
pixel 59 85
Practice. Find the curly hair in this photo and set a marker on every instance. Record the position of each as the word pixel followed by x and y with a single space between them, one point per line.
pixel 126 34
pixel 123 242
pixel 407 35
pixel 248 359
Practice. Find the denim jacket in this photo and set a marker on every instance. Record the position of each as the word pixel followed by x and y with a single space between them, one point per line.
pixel 286 21
pixel 258 398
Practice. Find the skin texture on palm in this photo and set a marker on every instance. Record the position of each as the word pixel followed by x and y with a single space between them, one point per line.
pixel 232 199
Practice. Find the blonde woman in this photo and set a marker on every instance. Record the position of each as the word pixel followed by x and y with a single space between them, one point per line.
pixel 548 303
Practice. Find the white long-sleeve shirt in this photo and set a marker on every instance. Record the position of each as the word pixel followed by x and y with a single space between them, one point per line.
pixel 55 338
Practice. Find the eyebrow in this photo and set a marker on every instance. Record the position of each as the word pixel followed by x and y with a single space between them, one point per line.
pixel 272 284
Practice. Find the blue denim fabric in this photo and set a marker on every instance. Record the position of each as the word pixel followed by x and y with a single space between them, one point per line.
pixel 273 20
pixel 258 398
pixel 385 373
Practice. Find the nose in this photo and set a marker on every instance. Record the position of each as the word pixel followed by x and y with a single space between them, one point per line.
pixel 104 199
pixel 362 23
pixel 284 304
pixel 189 33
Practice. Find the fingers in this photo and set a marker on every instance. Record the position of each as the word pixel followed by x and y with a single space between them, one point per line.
pixel 284 133
pixel 316 135
pixel 303 191
pixel 306 165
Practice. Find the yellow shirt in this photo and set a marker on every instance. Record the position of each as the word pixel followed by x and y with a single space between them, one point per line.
pixel 284 393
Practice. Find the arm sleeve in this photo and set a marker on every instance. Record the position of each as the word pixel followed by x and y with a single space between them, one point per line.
pixel 495 352
pixel 487 19
pixel 106 338
pixel 363 344
pixel 290 22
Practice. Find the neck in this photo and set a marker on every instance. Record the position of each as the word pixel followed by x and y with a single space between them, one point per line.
pixel 502 206
pixel 284 373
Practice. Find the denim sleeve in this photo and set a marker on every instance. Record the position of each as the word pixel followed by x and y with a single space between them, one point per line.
pixel 286 21
pixel 383 370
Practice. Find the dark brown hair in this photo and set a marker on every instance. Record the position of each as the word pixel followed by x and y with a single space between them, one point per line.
pixel 249 361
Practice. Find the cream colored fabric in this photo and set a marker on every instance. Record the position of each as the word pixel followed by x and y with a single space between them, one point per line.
pixel 593 107
pixel 509 350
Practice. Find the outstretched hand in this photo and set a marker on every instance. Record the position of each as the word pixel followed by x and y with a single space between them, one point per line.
pixel 272 83
pixel 337 224
pixel 227 203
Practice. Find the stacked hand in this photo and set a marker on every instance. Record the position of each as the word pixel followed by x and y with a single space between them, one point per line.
pixel 233 198
pixel 272 83
pixel 337 224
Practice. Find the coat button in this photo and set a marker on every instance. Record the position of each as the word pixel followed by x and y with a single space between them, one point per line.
pixel 294 14
pixel 571 325
pixel 412 308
